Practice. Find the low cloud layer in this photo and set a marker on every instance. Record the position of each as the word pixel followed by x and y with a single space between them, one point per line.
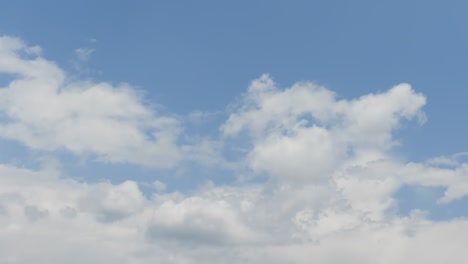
pixel 316 177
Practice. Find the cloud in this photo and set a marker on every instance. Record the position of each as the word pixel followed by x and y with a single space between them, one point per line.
pixel 314 132
pixel 112 203
pixel 248 224
pixel 47 112
pixel 83 54
pixel 326 190
pixel 196 220
pixel 33 213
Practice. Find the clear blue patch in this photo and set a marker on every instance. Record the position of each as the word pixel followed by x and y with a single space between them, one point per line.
pixel 6 79
pixel 412 197
pixel 12 152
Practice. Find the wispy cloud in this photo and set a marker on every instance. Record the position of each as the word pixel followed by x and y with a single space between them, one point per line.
pixel 83 54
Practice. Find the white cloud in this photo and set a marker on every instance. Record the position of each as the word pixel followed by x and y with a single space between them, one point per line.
pixel 113 203
pixel 308 153
pixel 50 219
pixel 196 220
pixel 304 132
pixel 47 112
pixel 328 196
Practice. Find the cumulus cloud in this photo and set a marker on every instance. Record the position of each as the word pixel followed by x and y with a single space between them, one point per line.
pixel 326 192
pixel 47 112
pixel 316 133
pixel 248 224
pixel 197 220
pixel 112 203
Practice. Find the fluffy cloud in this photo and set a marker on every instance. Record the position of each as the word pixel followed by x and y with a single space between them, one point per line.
pixel 198 220
pixel 304 132
pixel 112 203
pixel 45 111
pixel 48 219
pixel 326 194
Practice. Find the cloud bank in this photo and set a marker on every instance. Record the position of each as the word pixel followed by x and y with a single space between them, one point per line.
pixel 318 177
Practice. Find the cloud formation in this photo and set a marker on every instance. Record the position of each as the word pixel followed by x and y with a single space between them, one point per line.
pixel 314 132
pixel 46 111
pixel 327 177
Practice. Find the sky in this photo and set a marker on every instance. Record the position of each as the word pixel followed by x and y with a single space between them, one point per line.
pixel 233 132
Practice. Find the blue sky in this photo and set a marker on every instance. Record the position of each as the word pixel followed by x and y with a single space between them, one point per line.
pixel 190 56
pixel 195 118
